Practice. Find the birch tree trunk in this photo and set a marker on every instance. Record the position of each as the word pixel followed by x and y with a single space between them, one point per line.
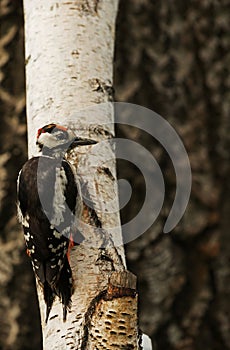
pixel 69 64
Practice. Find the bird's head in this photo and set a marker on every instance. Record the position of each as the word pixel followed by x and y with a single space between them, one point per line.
pixel 54 139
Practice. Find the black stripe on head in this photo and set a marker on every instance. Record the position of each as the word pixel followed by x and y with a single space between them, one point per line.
pixel 47 128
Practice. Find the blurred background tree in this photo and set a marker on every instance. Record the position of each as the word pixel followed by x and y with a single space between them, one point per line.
pixel 172 57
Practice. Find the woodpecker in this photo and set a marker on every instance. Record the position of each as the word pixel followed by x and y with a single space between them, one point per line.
pixel 48 200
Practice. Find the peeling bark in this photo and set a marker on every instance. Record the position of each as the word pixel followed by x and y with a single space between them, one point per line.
pixel 111 320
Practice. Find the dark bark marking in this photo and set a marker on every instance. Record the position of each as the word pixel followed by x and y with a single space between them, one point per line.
pixel 100 130
pixel 104 87
pixel 51 318
pixel 107 172
pixel 88 202
pixel 27 60
pixel 93 7
pixel 95 221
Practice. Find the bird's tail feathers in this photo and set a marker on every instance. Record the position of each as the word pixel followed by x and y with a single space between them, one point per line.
pixel 64 287
pixel 49 296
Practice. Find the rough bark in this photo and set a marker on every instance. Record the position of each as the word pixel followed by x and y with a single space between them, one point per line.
pixel 18 306
pixel 172 57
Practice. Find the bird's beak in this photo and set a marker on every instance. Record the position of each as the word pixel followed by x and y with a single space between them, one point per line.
pixel 78 141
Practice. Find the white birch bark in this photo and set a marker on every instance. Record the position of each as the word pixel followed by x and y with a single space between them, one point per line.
pixel 69 60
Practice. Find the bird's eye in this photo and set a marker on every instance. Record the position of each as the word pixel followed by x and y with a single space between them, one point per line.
pixel 61 136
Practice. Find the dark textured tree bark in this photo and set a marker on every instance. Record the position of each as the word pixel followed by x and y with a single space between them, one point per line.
pixel 19 317
pixel 172 57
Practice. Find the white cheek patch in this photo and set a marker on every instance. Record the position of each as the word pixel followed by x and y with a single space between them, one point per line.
pixel 47 139
pixel 52 140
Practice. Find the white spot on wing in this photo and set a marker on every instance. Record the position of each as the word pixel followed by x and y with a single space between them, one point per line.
pixel 58 248
pixel 32 251
pixel 25 221
pixel 57 234
pixel 27 236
